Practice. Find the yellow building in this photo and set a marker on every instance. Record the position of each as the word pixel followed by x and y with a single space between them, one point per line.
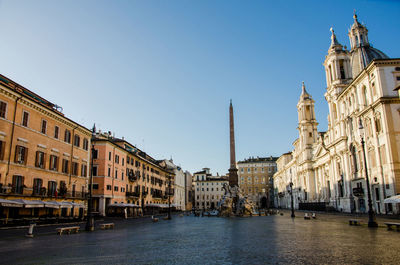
pixel 255 179
pixel 44 157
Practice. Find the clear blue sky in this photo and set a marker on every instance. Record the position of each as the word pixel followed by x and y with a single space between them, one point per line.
pixel 161 73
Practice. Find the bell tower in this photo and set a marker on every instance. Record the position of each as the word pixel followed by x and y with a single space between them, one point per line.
pixel 307 122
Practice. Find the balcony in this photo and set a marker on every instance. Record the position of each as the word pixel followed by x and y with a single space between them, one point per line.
pixel 133 194
pixel 42 192
pixel 358 192
pixel 157 195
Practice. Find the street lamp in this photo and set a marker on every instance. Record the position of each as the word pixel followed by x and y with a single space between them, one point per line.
pixel 90 219
pixel 291 196
pixel 371 215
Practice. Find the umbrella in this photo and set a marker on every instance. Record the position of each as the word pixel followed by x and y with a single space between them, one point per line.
pixel 393 199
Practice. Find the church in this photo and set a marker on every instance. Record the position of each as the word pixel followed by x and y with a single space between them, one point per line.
pixel 327 170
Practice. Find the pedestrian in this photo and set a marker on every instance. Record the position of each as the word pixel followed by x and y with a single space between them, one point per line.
pixel 125 213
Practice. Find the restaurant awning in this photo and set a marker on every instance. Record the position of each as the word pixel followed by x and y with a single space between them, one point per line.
pixel 31 203
pixel 124 205
pixel 10 203
pixel 393 199
pixel 52 204
pixel 72 204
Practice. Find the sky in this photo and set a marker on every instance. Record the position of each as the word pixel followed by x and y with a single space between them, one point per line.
pixel 161 73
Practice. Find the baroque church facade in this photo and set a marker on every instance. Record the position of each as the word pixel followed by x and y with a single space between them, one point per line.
pixel 327 169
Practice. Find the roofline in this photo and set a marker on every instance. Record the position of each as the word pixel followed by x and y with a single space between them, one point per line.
pixel 373 63
pixel 15 89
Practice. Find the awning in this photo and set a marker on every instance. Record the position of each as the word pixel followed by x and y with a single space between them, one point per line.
pixel 10 203
pixel 160 205
pixel 72 204
pixel 31 204
pixel 393 199
pixel 124 205
pixel 52 204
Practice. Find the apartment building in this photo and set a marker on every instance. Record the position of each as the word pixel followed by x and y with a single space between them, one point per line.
pixel 44 156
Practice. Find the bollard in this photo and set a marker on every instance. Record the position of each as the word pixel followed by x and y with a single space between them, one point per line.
pixel 30 230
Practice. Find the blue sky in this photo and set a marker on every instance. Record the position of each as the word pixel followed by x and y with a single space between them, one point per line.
pixel 161 73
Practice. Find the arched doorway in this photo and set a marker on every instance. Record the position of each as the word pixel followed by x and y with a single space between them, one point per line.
pixel 263 202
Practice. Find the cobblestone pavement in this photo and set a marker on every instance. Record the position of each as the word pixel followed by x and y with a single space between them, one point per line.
pixel 210 240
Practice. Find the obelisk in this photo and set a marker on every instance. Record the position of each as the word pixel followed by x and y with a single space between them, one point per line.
pixel 233 176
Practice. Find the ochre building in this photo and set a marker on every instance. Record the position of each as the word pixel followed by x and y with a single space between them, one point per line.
pixel 44 157
pixel 256 179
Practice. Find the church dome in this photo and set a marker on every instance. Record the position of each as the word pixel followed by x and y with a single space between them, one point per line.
pixel 362 56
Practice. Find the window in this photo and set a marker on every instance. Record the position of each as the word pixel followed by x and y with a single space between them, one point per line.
pixel 40 159
pixel 95 186
pixel 95 154
pixel 116 188
pixel 127 160
pixel 52 188
pixel 83 170
pixel 2 148
pixel 109 172
pixel 3 109
pixel 67 136
pixel 241 170
pixel 248 169
pixel 62 191
pixel 77 140
pixel 94 171
pixel 116 173
pixel 109 187
pixel 65 164
pixel 75 167
pixel 341 66
pixel 85 144
pixel 109 156
pixel 18 184
pixel 117 159
pixel 44 126
pixel 122 175
pixel 21 154
pixel 37 186
pixel 25 118
pixel 74 189
pixel 56 131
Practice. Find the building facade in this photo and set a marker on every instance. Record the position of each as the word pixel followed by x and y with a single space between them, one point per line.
pixel 208 189
pixel 188 191
pixel 125 175
pixel 327 169
pixel 44 156
pixel 256 179
pixel 179 185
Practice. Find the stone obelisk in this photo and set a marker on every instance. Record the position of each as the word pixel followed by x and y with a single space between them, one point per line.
pixel 233 176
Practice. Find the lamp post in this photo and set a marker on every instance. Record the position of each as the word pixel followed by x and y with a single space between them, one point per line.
pixel 291 201
pixel 371 216
pixel 90 219
pixel 169 197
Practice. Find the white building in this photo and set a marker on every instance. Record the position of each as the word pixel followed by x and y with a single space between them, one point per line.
pixel 179 185
pixel 208 189
pixel 327 169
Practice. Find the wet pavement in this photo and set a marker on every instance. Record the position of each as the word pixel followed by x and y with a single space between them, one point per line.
pixel 211 240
